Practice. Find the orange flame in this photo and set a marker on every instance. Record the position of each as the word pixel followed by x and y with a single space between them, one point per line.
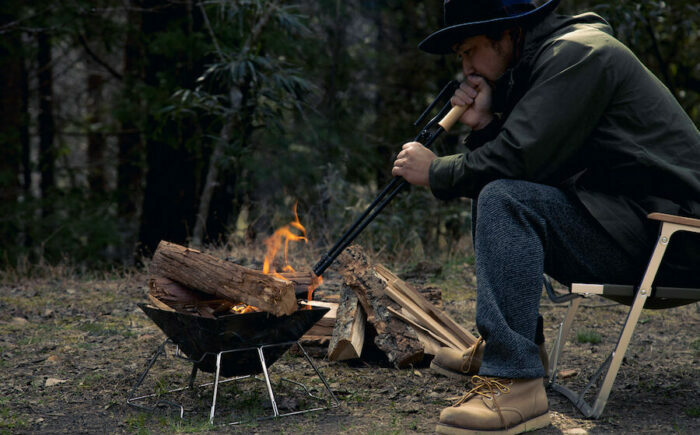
pixel 315 282
pixel 244 308
pixel 274 243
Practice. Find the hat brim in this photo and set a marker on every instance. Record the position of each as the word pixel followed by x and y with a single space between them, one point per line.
pixel 442 41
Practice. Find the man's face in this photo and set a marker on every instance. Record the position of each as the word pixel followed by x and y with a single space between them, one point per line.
pixel 485 57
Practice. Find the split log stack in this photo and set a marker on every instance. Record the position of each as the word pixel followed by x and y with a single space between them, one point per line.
pixel 407 325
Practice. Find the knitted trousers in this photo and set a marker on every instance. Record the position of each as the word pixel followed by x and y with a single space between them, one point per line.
pixel 521 231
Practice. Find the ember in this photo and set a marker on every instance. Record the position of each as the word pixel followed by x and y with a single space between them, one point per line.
pixel 244 308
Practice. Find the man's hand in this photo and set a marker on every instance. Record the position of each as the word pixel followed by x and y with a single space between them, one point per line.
pixel 413 163
pixel 475 93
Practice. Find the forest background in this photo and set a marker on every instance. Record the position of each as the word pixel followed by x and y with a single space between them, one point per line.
pixel 124 122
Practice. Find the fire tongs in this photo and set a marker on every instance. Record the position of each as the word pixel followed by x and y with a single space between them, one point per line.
pixel 441 123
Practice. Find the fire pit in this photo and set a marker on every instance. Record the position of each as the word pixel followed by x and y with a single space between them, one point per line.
pixel 201 339
pixel 235 345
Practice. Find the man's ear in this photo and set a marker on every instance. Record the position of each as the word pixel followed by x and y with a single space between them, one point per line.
pixel 516 38
pixel 515 33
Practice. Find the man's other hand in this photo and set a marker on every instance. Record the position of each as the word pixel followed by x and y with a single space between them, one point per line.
pixel 413 163
pixel 475 93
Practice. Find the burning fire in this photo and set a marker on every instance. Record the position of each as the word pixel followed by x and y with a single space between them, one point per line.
pixel 284 235
pixel 274 243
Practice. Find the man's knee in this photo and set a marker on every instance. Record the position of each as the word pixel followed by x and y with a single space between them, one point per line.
pixel 502 190
pixel 518 193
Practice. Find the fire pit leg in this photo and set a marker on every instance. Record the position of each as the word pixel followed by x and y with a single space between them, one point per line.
pixel 267 381
pixel 160 351
pixel 131 400
pixel 334 400
pixel 192 376
pixel 216 387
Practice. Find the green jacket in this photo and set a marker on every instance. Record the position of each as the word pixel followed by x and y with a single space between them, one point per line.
pixel 582 113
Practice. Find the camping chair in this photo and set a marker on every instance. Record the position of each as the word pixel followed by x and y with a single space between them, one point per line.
pixel 647 296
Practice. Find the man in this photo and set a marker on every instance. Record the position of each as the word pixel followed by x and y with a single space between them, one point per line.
pixel 573 143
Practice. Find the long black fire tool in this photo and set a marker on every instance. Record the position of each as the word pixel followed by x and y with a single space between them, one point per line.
pixel 441 123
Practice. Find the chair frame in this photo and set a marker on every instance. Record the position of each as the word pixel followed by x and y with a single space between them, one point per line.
pixel 670 224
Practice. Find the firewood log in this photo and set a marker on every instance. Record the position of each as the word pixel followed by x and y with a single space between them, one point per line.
pixel 394 337
pixel 224 279
pixel 348 335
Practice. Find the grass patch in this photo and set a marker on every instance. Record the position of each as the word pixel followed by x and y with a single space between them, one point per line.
pixel 91 380
pixel 105 330
pixel 9 421
pixel 695 346
pixel 588 336
pixel 137 423
pixel 693 411
pixel 178 425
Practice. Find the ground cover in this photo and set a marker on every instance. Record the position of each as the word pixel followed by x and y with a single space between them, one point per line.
pixel 71 349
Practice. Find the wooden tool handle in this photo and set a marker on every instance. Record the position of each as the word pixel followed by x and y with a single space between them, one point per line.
pixel 452 116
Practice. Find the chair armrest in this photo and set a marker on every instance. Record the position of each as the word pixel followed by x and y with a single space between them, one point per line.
pixel 663 217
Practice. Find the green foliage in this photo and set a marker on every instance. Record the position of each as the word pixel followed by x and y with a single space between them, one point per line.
pixel 693 411
pixel 64 227
pixel 588 336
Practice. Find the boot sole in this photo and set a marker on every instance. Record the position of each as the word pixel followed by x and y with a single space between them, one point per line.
pixel 449 373
pixel 526 426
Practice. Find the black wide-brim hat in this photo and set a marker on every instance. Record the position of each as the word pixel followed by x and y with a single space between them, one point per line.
pixel 465 18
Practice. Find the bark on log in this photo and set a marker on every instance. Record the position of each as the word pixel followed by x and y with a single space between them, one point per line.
pixel 173 293
pixel 224 279
pixel 394 337
pixel 301 280
pixel 164 292
pixel 349 331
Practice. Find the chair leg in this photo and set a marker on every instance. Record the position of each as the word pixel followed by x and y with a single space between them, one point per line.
pixel 618 354
pixel 635 311
pixel 560 341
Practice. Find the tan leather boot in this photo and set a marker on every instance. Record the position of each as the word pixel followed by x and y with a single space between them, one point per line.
pixel 460 365
pixel 497 406
pixel 457 364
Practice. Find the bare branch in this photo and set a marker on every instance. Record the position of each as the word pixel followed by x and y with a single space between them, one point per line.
pixel 96 58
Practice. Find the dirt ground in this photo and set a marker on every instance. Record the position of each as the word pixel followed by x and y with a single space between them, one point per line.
pixel 71 350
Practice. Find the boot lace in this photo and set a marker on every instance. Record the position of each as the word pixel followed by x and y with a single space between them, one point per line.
pixel 488 388
pixel 467 360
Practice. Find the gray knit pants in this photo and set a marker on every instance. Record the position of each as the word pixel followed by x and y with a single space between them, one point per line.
pixel 523 230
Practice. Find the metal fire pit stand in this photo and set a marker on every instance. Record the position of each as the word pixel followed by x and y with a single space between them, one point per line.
pixel 133 399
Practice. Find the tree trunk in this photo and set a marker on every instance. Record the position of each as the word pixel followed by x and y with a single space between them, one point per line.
pixel 129 166
pixel 224 279
pixel 244 121
pixel 11 125
pixel 24 135
pixel 169 198
pixel 96 140
pixel 210 183
pixel 47 153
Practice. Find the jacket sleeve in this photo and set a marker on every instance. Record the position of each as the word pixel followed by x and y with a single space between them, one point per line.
pixel 479 137
pixel 571 85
